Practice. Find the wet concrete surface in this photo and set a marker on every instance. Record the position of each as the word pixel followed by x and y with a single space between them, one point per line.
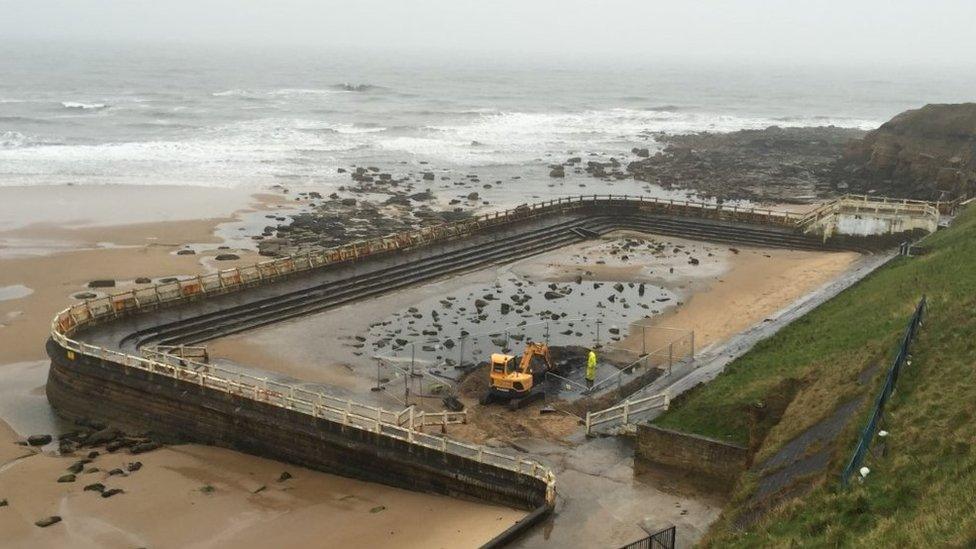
pixel 602 501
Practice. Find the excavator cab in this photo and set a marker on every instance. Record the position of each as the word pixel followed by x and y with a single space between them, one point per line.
pixel 518 383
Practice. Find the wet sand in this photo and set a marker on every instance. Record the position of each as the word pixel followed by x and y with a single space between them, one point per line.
pixel 163 505
pixel 198 496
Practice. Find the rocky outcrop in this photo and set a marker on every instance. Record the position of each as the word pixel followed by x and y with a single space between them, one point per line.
pixel 927 153
pixel 778 164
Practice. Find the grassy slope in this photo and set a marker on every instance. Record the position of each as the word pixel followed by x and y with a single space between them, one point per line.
pixel 924 491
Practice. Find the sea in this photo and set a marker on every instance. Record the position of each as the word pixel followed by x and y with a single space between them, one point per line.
pixel 96 114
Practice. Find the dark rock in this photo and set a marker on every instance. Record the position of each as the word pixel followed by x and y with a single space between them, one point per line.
pixel 186 252
pixel 103 436
pixel 101 284
pixel 285 475
pixel 45 522
pixel 226 257
pixel 39 440
pixel 111 492
pixel 66 478
pixel 143 280
pixel 77 466
pixel 144 447
pixel 96 487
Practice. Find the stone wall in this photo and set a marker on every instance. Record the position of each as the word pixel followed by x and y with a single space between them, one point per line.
pixel 719 461
pixel 175 410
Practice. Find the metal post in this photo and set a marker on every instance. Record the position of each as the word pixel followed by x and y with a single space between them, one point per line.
pixel 670 356
pixel 598 322
pixel 547 332
pixel 461 352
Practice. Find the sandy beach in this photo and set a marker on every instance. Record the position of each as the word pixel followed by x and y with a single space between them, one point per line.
pixel 54 255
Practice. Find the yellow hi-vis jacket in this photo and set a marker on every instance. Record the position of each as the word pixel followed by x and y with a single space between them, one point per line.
pixel 591 366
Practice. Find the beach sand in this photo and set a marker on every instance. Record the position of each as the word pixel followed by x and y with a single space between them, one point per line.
pixel 163 505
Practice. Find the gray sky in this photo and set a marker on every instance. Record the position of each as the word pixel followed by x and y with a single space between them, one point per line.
pixel 941 32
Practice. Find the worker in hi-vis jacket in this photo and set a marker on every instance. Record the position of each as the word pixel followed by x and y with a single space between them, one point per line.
pixel 590 369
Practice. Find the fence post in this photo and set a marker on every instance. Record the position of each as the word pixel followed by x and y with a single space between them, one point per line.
pixel 670 356
pixel 588 422
pixel 461 351
pixel 626 410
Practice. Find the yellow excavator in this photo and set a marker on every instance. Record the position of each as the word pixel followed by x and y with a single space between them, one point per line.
pixel 521 383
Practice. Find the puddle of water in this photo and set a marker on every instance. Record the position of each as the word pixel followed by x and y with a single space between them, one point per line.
pixel 23 404
pixel 15 291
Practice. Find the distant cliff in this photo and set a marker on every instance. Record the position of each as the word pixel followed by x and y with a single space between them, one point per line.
pixel 927 153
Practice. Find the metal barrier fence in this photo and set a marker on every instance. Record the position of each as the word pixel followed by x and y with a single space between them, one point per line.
pixel 664 539
pixel 891 379
pixel 649 347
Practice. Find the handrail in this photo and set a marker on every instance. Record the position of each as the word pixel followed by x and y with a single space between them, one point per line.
pixel 297 399
pixel 238 278
pixel 875 203
pixel 625 409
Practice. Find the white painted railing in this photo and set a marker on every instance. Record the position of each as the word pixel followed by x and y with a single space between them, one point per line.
pixel 626 410
pixel 404 425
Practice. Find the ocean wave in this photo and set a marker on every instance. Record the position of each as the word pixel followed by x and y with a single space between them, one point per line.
pixel 15 140
pixel 287 92
pixel 226 93
pixel 664 108
pixel 345 86
pixel 83 106
pixel 25 120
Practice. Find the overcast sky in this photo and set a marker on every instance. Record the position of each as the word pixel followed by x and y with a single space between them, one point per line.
pixel 940 32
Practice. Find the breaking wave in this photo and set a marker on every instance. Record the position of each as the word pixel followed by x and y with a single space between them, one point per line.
pixel 83 106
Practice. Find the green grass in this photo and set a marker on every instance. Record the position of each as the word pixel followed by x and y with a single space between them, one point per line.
pixel 923 493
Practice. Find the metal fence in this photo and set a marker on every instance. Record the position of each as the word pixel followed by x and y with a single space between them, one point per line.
pixel 891 379
pixel 634 349
pixel 663 539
